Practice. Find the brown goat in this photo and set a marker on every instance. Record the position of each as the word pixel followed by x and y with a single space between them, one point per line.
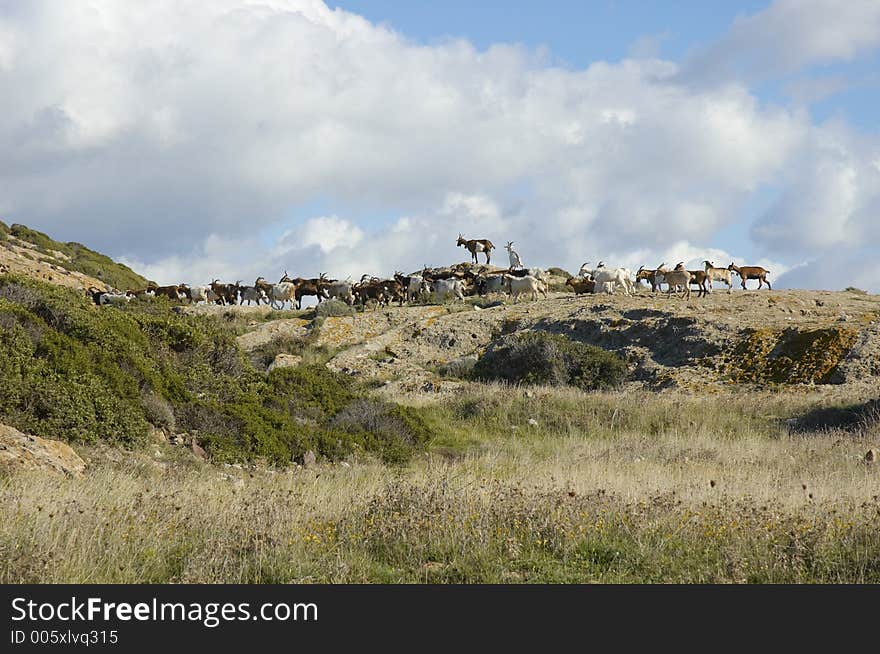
pixel 751 272
pixel 581 285
pixel 475 245
pixel 699 278
pixel 649 276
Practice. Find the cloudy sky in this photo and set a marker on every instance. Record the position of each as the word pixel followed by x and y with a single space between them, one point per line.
pixel 236 138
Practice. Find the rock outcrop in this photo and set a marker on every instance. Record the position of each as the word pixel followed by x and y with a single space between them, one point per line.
pixel 22 451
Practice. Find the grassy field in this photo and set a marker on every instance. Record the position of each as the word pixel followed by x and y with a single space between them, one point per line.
pixel 601 487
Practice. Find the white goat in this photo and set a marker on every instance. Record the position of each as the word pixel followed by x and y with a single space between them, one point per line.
pixel 717 274
pixel 444 288
pixel 676 279
pixel 486 284
pixel 517 286
pixel 515 261
pixel 114 297
pixel 198 294
pixel 341 291
pixel 615 276
pixel 282 292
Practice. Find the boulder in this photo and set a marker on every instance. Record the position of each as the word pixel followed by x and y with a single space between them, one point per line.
pixel 26 452
pixel 285 361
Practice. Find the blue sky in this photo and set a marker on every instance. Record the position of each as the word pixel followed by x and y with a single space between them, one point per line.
pixel 578 34
pixel 291 134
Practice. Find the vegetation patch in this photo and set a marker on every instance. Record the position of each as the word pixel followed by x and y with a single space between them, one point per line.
pixel 72 371
pixel 544 358
pixel 790 356
pixel 334 308
pixel 80 258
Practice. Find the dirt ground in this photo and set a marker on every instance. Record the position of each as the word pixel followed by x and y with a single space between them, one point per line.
pixel 796 338
pixel 23 258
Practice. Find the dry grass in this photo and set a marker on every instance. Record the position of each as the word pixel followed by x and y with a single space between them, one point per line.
pixel 606 487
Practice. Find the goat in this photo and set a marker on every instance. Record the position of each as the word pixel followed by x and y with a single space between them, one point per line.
pixel 371 288
pixel 226 293
pixel 581 285
pixel 280 293
pixel 537 273
pixel 411 284
pixel 616 277
pixel 717 274
pixel 95 294
pixel 265 286
pixel 341 291
pixel 443 288
pixel 141 293
pixel 476 245
pixel 649 276
pixel 699 278
pixel 103 298
pixel 313 286
pixel 515 261
pixel 250 294
pixel 751 272
pixel 675 279
pixel 175 292
pixel 197 294
pixel 486 284
pixel 517 286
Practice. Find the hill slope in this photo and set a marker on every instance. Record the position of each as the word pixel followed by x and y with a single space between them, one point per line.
pixel 27 252
pixel 780 337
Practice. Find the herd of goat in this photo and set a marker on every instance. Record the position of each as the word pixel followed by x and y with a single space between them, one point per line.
pixel 453 282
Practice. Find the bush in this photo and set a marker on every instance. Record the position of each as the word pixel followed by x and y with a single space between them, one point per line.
pixel 73 371
pixel 460 368
pixel 392 430
pixel 334 307
pixel 543 358
pixel 158 411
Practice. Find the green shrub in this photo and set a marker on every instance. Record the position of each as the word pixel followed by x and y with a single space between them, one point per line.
pixel 304 346
pixel 543 358
pixel 73 371
pixel 460 368
pixel 309 391
pixel 334 307
pixel 158 411
pixel 392 430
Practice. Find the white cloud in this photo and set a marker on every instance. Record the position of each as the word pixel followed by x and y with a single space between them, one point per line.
pixel 175 131
pixel 834 271
pixel 787 36
pixel 831 198
pixel 326 232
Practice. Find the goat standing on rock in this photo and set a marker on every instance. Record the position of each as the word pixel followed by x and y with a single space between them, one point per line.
pixel 476 245
pixel 515 261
